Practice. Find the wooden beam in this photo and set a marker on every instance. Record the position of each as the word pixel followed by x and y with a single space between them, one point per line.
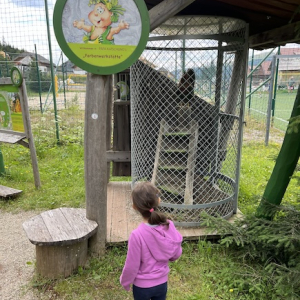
pixel 5 80
pixel 281 9
pixel 98 94
pixel 29 135
pixel 279 36
pixel 118 156
pixel 165 10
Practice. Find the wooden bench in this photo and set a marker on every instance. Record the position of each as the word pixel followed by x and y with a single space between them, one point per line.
pixel 61 239
pixel 13 137
pixel 7 192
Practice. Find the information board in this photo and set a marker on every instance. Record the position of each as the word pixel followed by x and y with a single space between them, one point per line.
pixel 102 36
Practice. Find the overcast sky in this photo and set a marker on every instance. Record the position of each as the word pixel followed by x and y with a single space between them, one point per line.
pixel 23 24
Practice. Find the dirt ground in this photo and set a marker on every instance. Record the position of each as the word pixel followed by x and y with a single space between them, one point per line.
pixel 17 257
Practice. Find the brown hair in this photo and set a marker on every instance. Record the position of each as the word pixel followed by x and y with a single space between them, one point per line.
pixel 145 200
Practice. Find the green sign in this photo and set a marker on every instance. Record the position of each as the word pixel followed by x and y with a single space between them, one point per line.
pixel 16 76
pixel 101 36
pixel 10 110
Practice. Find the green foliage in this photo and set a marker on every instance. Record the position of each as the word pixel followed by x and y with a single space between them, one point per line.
pixel 273 245
pixel 294 125
pixel 8 48
pixel 6 63
pixel 256 168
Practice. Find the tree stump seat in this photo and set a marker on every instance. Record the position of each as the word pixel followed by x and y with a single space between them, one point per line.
pixel 61 239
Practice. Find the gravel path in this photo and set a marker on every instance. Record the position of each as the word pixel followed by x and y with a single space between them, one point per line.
pixel 15 252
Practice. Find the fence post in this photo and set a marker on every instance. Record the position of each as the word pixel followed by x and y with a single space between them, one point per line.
pixel 2 168
pixel 269 110
pixel 52 71
pixel 275 86
pixel 250 86
pixel 39 78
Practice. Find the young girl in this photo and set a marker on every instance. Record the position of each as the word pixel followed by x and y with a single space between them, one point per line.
pixel 150 247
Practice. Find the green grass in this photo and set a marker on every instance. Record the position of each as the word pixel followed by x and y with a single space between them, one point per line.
pixel 205 271
pixel 283 107
pixel 201 273
pixel 257 165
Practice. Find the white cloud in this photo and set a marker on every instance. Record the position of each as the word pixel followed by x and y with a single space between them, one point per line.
pixel 23 25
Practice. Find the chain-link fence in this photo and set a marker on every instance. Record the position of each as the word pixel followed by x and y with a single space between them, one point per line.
pixel 56 100
pixel 186 105
pixel 273 78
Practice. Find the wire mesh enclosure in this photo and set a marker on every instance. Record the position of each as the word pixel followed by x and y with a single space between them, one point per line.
pixel 187 97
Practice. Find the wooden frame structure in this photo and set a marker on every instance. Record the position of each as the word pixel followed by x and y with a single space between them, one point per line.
pixel 13 137
pixel 98 115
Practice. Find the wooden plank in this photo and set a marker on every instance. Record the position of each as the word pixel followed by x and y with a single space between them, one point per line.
pixel 192 153
pixel 21 134
pixel 165 10
pixel 10 138
pixel 158 149
pixel 110 199
pixel 8 192
pixel 82 227
pixel 61 226
pixel 121 190
pixel 280 36
pixel 5 81
pixel 36 231
pixel 58 226
pixel 121 137
pixel 133 217
pixel 119 156
pixel 27 127
pixel 109 117
pixel 286 9
pixel 98 93
pixel 119 217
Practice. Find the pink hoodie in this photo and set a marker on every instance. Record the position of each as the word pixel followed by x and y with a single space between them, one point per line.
pixel 149 251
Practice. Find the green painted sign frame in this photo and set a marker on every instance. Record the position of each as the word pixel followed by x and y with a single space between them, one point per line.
pixel 97 69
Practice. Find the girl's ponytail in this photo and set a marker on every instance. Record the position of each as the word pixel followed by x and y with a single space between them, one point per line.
pixel 146 198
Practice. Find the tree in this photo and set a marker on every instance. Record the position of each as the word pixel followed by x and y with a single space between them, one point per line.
pixel 284 167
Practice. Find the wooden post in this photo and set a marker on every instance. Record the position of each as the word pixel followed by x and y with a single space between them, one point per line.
pixel 98 93
pixel 165 10
pixel 109 124
pixel 27 127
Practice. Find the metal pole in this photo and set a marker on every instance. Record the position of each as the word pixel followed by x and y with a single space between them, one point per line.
pixel 275 87
pixel 241 122
pixel 261 62
pixel 2 168
pixel 63 74
pixel 7 72
pixel 39 78
pixel 250 86
pixel 216 114
pixel 268 124
pixel 52 71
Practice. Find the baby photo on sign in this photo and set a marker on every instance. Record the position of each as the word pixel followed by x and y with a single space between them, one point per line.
pixel 102 22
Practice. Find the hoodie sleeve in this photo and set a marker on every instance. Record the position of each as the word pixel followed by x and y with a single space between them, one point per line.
pixel 132 263
pixel 177 243
pixel 177 254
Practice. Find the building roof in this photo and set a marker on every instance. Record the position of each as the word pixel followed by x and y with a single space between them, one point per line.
pixel 264 69
pixel 271 22
pixel 27 57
